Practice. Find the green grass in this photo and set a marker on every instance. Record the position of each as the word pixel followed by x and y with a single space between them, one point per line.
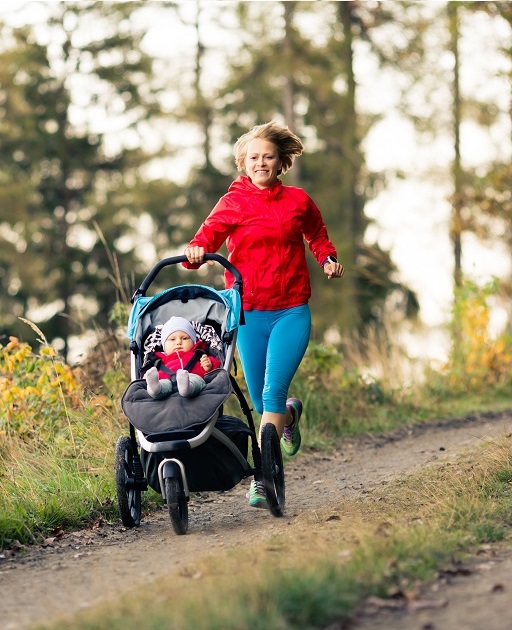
pixel 43 490
pixel 333 409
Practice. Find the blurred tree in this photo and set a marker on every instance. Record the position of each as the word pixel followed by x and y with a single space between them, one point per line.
pixel 83 132
pixel 308 83
pixel 457 200
pixel 431 53
pixel 75 97
pixel 488 189
pixel 198 110
pixel 344 184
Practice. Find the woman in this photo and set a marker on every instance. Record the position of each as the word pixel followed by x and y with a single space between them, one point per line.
pixel 264 224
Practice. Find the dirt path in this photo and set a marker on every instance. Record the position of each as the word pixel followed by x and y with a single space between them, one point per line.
pixel 79 570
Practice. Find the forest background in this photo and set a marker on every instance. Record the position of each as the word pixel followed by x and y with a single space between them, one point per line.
pixel 117 121
pixel 117 125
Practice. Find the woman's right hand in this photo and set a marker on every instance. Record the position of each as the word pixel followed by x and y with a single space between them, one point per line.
pixel 195 255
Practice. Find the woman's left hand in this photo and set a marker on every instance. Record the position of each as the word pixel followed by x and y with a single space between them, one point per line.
pixel 333 270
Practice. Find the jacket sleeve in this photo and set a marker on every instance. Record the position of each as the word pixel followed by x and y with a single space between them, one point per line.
pixel 215 229
pixel 316 235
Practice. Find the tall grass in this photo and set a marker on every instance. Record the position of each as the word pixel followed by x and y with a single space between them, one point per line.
pixel 42 491
pixel 60 483
pixel 57 445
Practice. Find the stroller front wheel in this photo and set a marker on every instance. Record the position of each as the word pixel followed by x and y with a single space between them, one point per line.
pixel 272 469
pixel 176 504
pixel 128 496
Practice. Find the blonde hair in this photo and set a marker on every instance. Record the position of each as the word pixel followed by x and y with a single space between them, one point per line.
pixel 287 144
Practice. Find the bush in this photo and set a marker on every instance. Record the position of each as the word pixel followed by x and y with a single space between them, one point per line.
pixel 36 391
pixel 478 358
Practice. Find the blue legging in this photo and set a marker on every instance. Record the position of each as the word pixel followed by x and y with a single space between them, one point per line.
pixel 271 345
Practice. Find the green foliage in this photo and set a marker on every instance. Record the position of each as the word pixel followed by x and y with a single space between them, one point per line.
pixel 119 313
pixel 479 358
pixel 27 381
pixel 115 381
pixel 340 399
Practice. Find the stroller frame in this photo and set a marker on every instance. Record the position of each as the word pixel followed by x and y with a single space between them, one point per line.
pixel 165 460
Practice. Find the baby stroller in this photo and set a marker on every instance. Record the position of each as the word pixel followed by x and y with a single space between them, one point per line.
pixel 181 445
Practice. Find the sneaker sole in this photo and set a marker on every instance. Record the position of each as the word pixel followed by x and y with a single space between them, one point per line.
pixel 292 451
pixel 297 407
pixel 287 448
pixel 261 503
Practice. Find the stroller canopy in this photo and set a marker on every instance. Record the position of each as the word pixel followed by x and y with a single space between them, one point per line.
pixel 192 301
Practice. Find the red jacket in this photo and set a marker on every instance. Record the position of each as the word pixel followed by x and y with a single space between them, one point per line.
pixel 264 232
pixel 178 360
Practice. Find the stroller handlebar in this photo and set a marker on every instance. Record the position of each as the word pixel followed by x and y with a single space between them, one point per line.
pixel 174 260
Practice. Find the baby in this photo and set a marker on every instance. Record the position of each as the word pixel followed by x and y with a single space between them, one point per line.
pixel 180 344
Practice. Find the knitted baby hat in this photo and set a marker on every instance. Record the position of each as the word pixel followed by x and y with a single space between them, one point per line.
pixel 177 323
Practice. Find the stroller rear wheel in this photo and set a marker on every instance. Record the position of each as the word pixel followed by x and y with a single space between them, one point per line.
pixel 272 469
pixel 177 505
pixel 128 497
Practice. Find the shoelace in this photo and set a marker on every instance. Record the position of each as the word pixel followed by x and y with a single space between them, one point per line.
pixel 288 431
pixel 259 488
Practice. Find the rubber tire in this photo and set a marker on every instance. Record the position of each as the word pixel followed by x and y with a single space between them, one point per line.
pixel 272 469
pixel 128 499
pixel 177 505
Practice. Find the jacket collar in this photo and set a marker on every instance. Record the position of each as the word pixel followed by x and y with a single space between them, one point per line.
pixel 244 184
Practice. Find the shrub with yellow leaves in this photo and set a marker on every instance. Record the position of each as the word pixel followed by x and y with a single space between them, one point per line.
pixel 478 358
pixel 36 390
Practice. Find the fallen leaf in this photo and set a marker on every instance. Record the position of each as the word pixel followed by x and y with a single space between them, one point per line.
pixel 333 517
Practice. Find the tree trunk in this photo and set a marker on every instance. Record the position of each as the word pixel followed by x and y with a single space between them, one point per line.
pixel 350 167
pixel 457 204
pixel 203 109
pixel 289 92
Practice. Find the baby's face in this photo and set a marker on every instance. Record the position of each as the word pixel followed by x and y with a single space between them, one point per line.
pixel 178 340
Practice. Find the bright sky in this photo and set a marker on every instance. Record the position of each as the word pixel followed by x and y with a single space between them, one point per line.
pixel 412 215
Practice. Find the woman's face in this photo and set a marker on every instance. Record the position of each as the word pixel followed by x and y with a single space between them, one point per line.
pixel 262 162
